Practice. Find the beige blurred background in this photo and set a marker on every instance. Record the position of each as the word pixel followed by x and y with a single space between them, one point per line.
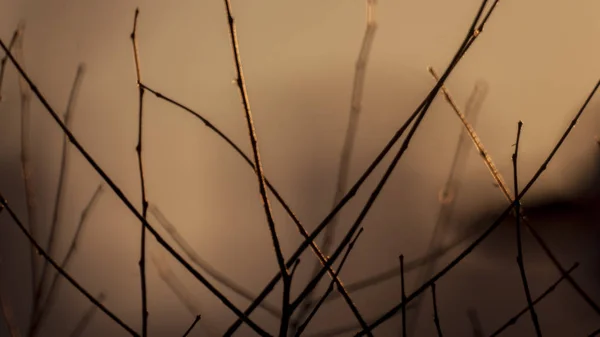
pixel 539 59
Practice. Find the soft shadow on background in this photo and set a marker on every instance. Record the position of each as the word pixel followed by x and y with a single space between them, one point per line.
pixel 538 58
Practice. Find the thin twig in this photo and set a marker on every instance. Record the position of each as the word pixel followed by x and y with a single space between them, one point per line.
pixel 341 289
pixel 47 303
pixel 66 275
pixel 403 295
pixel 395 160
pixel 26 167
pixel 476 326
pixel 473 33
pixel 59 196
pixel 436 318
pixel 185 296
pixel 550 289
pixel 196 320
pixel 410 266
pixel 205 265
pixel 476 141
pixel 496 223
pixel 300 329
pixel 138 149
pixel 86 318
pixel 520 261
pixel 286 308
pixel 506 191
pixel 119 193
pixel 347 149
pixel 11 44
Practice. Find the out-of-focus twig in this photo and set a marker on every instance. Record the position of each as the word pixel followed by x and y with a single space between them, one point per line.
pixel 417 116
pixel 449 192
pixel 66 275
pixel 506 191
pixel 300 329
pixel 176 286
pixel 26 167
pixel 476 327
pixel 347 149
pixel 205 265
pixel 86 318
pixel 340 287
pixel 59 197
pixel 403 293
pixel 12 42
pixel 184 295
pixel 7 312
pixel 119 193
pixel 47 302
pixel 393 311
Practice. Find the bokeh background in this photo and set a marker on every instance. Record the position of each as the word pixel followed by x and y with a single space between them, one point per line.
pixel 538 58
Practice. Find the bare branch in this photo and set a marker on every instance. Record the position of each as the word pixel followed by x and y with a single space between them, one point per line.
pixel 419 111
pixel 287 309
pixel 66 275
pixel 138 149
pixel 125 200
pixel 476 327
pixel 450 191
pixel 205 265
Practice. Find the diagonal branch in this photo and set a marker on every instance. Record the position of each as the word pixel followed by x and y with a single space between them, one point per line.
pixel 86 318
pixel 66 275
pixel 471 37
pixel 450 191
pixel 203 264
pixel 320 302
pixel 506 191
pixel 341 289
pixel 125 200
pixel 496 223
